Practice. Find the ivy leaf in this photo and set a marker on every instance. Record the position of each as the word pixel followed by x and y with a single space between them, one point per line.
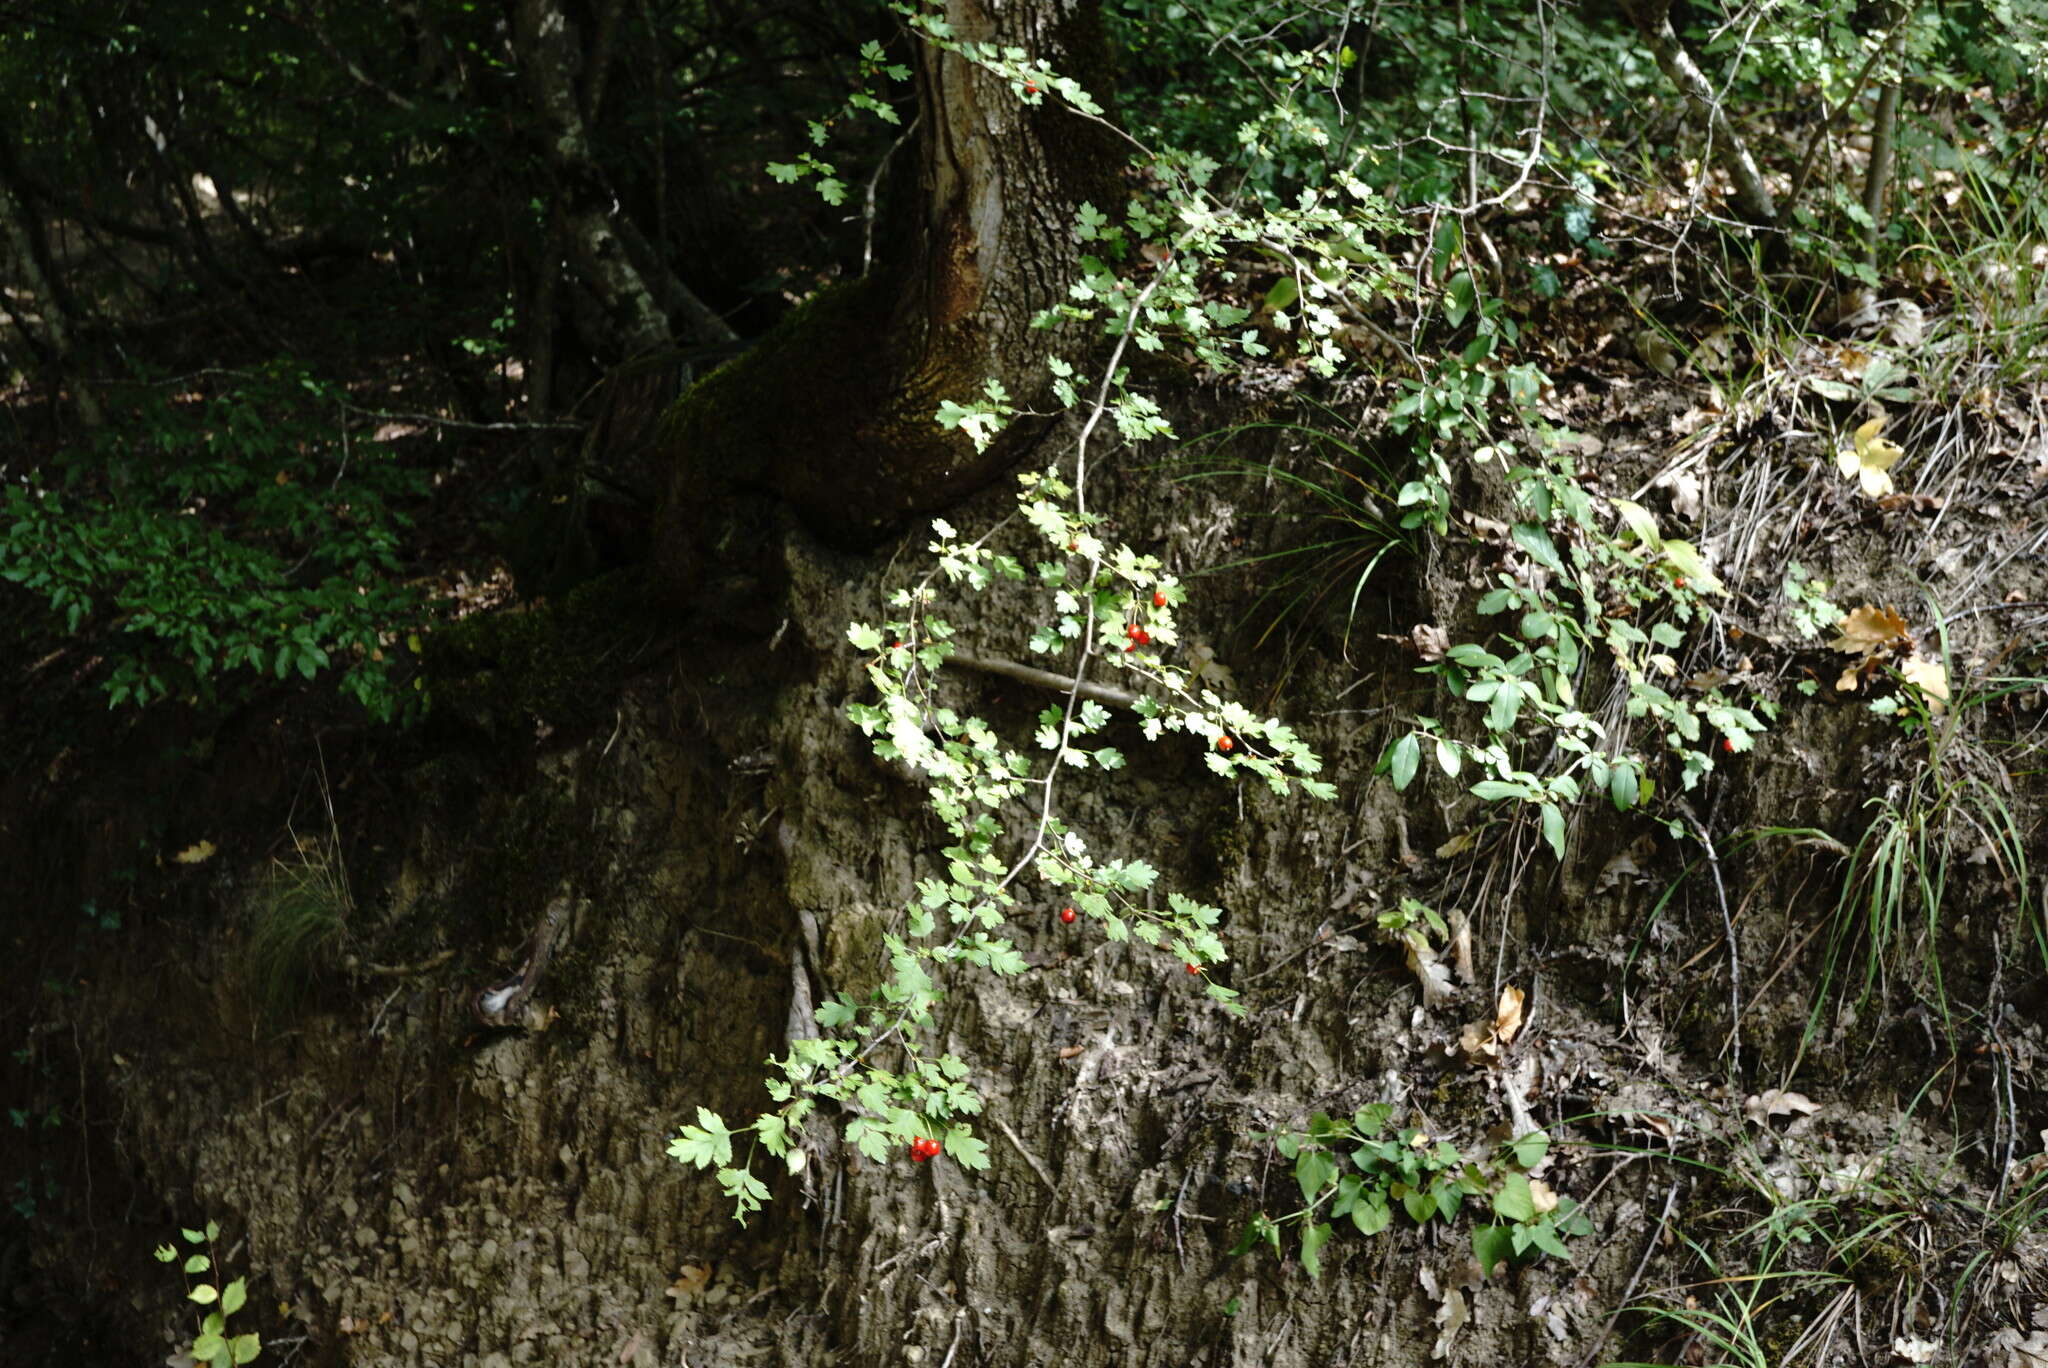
pixel 1312 1241
pixel 1372 1214
pixel 1514 1201
pixel 1492 1245
pixel 1314 1170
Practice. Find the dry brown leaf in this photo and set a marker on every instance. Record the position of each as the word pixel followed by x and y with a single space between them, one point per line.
pixel 1430 972
pixel 1461 945
pixel 1457 845
pixel 1430 640
pixel 1486 1040
pixel 2009 1349
pixel 1870 629
pixel 194 854
pixel 1656 352
pixel 690 1283
pixel 1507 1017
pixel 1540 1192
pixel 1775 1102
pixel 1450 1318
pixel 1685 491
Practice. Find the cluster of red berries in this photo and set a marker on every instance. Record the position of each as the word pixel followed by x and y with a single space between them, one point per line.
pixel 922 1149
pixel 1138 637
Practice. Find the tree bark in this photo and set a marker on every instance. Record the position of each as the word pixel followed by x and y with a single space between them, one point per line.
pixel 832 412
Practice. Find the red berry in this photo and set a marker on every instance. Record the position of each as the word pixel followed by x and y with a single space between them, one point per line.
pixel 1224 743
pixel 1073 546
pixel 1067 915
pixel 1130 648
pixel 1144 638
pixel 1158 598
pixel 1679 582
pixel 1194 968
pixel 1031 87
pixel 1728 745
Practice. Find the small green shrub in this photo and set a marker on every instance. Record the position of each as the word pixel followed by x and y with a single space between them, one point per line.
pixel 213 1345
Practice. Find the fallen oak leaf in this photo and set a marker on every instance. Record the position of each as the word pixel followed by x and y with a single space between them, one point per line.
pixel 1870 629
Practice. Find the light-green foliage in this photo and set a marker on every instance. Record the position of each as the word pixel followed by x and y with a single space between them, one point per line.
pixel 215 1345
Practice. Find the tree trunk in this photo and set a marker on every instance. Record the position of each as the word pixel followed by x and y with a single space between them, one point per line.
pixel 600 241
pixel 23 234
pixel 1883 129
pixel 1652 19
pixel 833 410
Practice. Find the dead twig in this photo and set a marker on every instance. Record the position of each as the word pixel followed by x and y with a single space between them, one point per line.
pixel 1045 679
pixel 1734 959
pixel 1029 1157
pixel 1634 1279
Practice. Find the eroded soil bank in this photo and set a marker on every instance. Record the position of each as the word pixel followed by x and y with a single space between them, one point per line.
pixel 404 1184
